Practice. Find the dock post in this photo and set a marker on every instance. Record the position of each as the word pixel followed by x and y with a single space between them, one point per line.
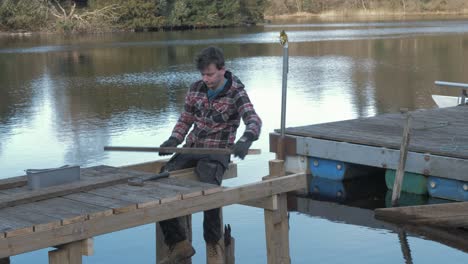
pixel 277 223
pixel 162 250
pixel 402 162
pixel 67 254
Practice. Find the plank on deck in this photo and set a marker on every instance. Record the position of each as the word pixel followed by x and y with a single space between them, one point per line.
pixel 436 131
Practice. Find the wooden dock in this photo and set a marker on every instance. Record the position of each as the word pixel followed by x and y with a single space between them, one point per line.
pixel 68 215
pixel 438 145
pixel 437 148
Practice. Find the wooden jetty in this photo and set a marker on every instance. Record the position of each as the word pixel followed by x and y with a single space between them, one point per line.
pixel 437 151
pixel 68 216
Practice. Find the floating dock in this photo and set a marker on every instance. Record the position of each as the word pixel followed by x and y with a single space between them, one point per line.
pixel 437 159
pixel 68 216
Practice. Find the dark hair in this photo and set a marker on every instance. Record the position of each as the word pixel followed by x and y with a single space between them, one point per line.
pixel 208 56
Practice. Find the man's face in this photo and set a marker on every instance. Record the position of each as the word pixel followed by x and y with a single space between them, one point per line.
pixel 212 76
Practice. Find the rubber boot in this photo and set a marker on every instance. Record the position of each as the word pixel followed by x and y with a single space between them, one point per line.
pixel 179 252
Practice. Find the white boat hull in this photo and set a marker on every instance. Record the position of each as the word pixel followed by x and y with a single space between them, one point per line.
pixel 446 101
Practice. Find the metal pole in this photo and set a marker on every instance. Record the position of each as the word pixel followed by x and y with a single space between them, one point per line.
pixel 284 42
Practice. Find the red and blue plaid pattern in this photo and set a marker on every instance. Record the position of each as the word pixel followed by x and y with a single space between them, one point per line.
pixel 215 122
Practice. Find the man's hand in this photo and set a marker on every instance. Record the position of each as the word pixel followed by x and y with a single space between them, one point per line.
pixel 171 142
pixel 241 148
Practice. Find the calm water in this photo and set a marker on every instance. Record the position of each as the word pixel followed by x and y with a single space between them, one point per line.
pixel 65 97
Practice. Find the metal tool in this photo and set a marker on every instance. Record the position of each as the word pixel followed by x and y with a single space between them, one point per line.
pixel 180 150
pixel 140 181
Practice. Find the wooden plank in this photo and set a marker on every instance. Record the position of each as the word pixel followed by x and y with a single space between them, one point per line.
pixel 220 151
pixel 68 211
pixel 445 215
pixel 87 247
pixel 383 157
pixel 13 182
pixel 289 144
pixel 150 167
pixel 39 221
pixel 140 199
pixel 269 203
pixel 115 177
pixel 206 188
pixel 13 227
pixel 156 192
pixel 97 226
pixel 66 254
pixel 117 205
pixel 402 162
pixel 277 222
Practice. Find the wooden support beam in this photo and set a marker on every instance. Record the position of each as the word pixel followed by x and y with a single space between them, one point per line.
pixel 140 216
pixel 67 254
pixel 270 203
pixel 402 163
pixel 277 222
pixel 87 247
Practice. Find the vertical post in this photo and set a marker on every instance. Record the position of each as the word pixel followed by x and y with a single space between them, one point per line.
pixel 277 223
pixel 162 250
pixel 284 42
pixel 402 162
pixel 67 254
pixel 280 153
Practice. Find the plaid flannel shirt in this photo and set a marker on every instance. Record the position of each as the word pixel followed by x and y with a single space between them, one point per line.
pixel 215 122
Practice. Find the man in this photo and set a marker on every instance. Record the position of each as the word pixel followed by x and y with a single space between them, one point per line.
pixel 214 107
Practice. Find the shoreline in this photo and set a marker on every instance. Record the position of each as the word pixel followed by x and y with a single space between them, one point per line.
pixel 364 14
pixel 329 15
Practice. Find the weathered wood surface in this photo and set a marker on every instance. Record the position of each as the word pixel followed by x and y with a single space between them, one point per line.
pixel 439 131
pixel 402 161
pixel 277 221
pixel 450 215
pixel 92 178
pixel 93 226
pixel 81 206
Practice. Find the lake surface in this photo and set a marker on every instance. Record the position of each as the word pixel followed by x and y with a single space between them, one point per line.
pixel 63 98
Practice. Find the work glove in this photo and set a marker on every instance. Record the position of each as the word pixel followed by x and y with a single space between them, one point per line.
pixel 241 148
pixel 171 142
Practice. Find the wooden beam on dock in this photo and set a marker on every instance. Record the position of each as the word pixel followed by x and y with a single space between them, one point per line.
pixel 70 253
pixel 96 226
pixel 402 161
pixel 277 222
pixel 449 215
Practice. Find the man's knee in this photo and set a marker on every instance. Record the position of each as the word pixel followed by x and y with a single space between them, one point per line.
pixel 210 171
